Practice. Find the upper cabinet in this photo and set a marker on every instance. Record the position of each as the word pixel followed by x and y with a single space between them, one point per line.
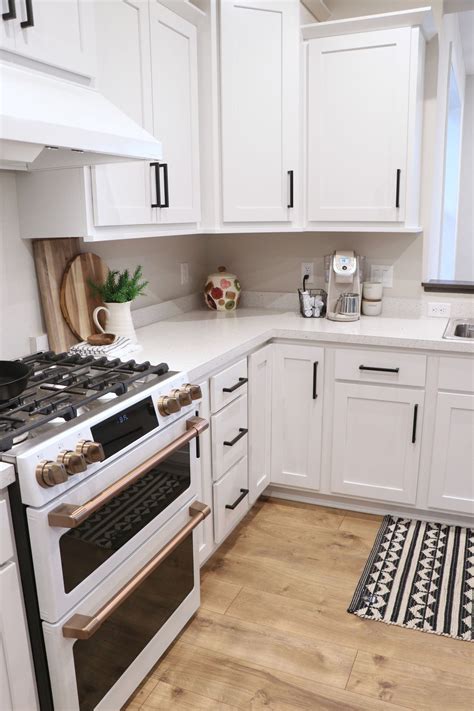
pixel 59 34
pixel 148 67
pixel 259 42
pixel 363 125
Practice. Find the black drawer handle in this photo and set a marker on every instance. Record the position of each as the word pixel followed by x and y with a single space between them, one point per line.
pixel 415 420
pixel 291 202
pixel 315 379
pixel 156 166
pixel 241 382
pixel 30 21
pixel 242 433
pixel 243 494
pixel 11 14
pixel 166 203
pixel 379 370
pixel 397 193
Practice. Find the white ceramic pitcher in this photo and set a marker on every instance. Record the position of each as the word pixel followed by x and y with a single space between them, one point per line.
pixel 118 320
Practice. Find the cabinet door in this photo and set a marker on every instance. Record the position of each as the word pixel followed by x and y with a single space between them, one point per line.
pixel 259 111
pixel 175 111
pixel 61 34
pixel 8 27
pixel 358 90
pixel 297 415
pixel 122 192
pixel 260 421
pixel 16 669
pixel 452 463
pixel 376 441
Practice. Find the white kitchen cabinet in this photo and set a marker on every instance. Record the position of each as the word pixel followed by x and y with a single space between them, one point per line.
pixel 259 42
pixel 363 129
pixel 174 64
pixel 452 463
pixel 122 191
pixel 17 686
pixel 260 373
pixel 298 373
pixel 376 441
pixel 148 67
pixel 59 34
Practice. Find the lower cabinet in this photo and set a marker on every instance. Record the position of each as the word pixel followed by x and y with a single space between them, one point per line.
pixel 376 441
pixel 231 500
pixel 260 420
pixel 452 462
pixel 298 376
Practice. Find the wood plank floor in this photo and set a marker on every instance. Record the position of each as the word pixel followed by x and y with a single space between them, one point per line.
pixel 273 632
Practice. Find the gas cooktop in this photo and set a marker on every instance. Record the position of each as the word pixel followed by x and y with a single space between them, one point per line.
pixel 63 386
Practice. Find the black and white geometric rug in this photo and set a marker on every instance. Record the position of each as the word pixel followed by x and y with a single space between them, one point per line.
pixel 419 575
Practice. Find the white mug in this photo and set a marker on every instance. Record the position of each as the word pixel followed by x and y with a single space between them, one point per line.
pixel 118 320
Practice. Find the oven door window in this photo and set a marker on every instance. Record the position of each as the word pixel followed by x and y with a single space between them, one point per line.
pixel 85 548
pixel 101 660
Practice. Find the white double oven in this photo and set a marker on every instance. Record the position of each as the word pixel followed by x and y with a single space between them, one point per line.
pixel 115 560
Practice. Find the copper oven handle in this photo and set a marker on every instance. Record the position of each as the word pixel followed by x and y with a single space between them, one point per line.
pixel 71 515
pixel 84 626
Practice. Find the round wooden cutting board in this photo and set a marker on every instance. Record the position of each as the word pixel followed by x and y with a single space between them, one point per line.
pixel 76 297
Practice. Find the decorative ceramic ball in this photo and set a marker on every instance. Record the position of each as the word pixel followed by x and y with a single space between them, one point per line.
pixel 222 291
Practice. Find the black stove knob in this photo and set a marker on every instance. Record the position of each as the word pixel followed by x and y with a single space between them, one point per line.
pixel 91 451
pixel 50 473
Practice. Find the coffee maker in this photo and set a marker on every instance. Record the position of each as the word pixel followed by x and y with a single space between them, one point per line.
pixel 344 292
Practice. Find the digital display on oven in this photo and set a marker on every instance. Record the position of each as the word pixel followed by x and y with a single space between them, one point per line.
pixel 120 430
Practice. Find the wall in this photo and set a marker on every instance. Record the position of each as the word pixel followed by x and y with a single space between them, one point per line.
pixel 20 310
pixel 20 313
pixel 465 246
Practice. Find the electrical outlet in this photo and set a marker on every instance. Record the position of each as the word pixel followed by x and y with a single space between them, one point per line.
pixel 382 273
pixel 439 309
pixel 39 343
pixel 307 268
pixel 184 267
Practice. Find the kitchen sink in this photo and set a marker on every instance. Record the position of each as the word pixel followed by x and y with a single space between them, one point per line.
pixel 459 328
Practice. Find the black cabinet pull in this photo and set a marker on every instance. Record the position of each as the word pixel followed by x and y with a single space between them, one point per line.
pixel 315 379
pixel 380 370
pixel 166 203
pixel 242 433
pixel 11 14
pixel 397 194
pixel 291 176
pixel 243 494
pixel 241 382
pixel 415 419
pixel 30 20
pixel 156 166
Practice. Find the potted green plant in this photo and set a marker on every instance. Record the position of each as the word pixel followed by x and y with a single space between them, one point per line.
pixel 117 292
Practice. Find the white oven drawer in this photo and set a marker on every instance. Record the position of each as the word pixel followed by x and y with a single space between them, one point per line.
pixel 102 649
pixel 70 561
pixel 231 501
pixel 229 430
pixel 228 385
pixel 369 366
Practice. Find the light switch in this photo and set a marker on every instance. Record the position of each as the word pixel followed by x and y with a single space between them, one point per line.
pixel 382 273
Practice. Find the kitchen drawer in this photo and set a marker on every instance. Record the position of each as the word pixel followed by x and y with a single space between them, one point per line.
pixel 6 538
pixel 228 385
pixel 231 490
pixel 456 374
pixel 369 366
pixel 229 426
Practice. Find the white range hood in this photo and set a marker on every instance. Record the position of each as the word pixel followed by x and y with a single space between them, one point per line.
pixel 48 122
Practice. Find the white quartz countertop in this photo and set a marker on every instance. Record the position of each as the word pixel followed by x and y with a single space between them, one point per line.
pixel 201 341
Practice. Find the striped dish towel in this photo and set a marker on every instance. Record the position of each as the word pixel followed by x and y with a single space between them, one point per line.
pixel 120 348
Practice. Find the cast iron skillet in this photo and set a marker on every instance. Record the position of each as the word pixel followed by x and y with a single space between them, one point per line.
pixel 13 378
